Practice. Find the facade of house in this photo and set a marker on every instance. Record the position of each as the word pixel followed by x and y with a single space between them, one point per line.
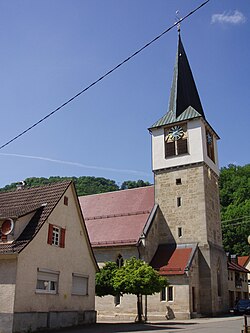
pixel 175 224
pixel 41 230
pixel 244 261
pixel 237 281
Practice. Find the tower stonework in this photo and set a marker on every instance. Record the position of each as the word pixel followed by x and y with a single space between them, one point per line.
pixel 186 173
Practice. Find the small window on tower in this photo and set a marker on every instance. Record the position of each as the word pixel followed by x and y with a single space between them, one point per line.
pixel 178 181
pixel 179 232
pixel 179 202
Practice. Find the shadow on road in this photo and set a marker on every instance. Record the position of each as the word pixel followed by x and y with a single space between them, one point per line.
pixel 125 327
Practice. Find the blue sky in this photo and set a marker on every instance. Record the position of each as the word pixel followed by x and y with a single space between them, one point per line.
pixel 51 50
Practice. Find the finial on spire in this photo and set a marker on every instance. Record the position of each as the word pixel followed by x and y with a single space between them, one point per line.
pixel 179 19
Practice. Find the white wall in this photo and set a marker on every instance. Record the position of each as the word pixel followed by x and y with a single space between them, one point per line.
pixel 74 258
pixel 196 147
pixel 7 293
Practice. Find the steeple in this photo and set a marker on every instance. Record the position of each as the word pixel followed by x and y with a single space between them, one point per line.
pixel 184 102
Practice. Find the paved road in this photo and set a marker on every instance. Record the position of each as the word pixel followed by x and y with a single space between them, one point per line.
pixel 212 325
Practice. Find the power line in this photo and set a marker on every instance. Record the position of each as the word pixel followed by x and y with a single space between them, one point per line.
pixel 106 74
pixel 234 224
pixel 236 219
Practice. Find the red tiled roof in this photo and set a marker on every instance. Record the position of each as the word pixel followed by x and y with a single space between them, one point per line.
pixel 40 200
pixel 117 218
pixel 242 261
pixel 235 267
pixel 172 260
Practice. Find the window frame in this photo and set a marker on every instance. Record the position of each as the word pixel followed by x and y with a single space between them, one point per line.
pixel 56 241
pixel 49 277
pixel 163 295
pixel 170 293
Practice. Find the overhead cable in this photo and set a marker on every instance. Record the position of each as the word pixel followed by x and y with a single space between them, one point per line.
pixel 103 76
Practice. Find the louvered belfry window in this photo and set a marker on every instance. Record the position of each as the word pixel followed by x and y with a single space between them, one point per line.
pixel 210 145
pixel 175 147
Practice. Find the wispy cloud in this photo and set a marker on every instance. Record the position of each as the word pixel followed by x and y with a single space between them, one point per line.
pixel 230 18
pixel 80 165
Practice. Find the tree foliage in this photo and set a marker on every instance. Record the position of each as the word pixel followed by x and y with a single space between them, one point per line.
pixel 84 185
pixel 133 184
pixel 235 208
pixel 135 277
pixel 105 280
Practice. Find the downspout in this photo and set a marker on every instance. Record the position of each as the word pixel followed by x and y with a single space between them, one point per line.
pixel 142 240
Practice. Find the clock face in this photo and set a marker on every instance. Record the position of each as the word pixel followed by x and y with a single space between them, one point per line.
pixel 176 133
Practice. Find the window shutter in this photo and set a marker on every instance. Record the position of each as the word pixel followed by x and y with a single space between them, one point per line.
pixel 79 285
pixel 50 234
pixel 62 237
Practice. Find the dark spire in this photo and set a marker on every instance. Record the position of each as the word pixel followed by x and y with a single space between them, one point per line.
pixel 183 92
pixel 184 102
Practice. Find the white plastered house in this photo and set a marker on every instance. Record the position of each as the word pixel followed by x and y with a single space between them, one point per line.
pixel 41 230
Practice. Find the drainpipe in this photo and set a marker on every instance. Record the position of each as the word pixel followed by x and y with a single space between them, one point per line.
pixel 142 241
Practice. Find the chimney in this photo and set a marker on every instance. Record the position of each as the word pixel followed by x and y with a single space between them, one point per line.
pixel 21 185
pixel 234 258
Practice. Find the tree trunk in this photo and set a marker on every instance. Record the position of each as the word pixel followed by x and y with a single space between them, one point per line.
pixel 139 307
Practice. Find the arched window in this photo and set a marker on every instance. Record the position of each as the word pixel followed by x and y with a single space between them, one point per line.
pixel 119 261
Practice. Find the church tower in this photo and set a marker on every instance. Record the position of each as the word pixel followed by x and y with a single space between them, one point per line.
pixel 186 172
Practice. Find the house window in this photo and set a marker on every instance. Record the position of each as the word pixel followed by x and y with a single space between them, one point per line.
pixel 170 293
pixel 56 236
pixel 179 232
pixel 176 141
pixel 179 202
pixel 47 281
pixel 79 284
pixel 66 200
pixel 117 299
pixel 163 294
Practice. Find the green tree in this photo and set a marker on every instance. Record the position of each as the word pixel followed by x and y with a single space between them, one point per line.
pixel 134 184
pixel 135 277
pixel 84 185
pixel 105 280
pixel 235 208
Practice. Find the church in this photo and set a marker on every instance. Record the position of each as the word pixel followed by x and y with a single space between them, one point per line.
pixel 174 225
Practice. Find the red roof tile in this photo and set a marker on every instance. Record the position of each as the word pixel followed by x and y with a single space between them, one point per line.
pixel 172 260
pixel 242 261
pixel 117 218
pixel 235 267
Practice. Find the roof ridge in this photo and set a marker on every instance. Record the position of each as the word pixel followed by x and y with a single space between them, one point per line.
pixel 118 191
pixel 117 215
pixel 66 182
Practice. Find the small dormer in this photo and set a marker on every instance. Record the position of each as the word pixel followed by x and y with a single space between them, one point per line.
pixel 6 229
